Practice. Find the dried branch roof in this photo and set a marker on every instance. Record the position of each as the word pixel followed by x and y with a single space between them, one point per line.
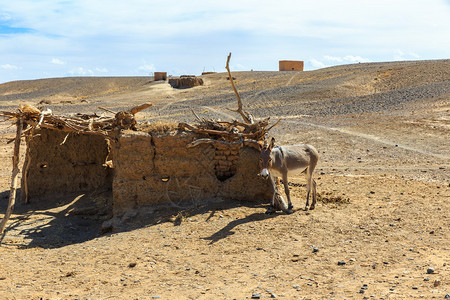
pixel 80 123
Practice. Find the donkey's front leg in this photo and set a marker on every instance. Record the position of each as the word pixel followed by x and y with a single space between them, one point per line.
pixel 272 209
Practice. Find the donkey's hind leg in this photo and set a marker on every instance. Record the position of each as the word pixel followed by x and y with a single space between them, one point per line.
pixel 309 183
pixel 314 194
pixel 287 192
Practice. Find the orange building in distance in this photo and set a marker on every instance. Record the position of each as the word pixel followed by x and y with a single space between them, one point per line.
pixel 291 65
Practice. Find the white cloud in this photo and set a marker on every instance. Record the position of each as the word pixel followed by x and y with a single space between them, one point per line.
pixel 4 17
pixel 148 68
pixel 400 55
pixel 101 70
pixel 9 67
pixel 239 67
pixel 346 59
pixel 316 64
pixel 80 71
pixel 57 61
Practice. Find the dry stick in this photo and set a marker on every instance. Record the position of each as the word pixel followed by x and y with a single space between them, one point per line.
pixel 24 196
pixel 108 110
pixel 65 139
pixel 268 129
pixel 212 141
pixel 15 173
pixel 139 108
pixel 246 116
pixel 196 115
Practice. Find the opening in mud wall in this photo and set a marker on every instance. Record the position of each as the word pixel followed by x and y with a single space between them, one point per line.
pixel 226 158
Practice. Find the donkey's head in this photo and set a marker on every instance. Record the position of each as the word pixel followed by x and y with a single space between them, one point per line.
pixel 265 158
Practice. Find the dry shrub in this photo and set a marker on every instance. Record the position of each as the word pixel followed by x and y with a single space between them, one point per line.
pixel 161 126
pixel 331 198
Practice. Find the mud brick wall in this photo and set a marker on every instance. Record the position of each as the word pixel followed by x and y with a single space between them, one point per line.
pixel 61 164
pixel 158 168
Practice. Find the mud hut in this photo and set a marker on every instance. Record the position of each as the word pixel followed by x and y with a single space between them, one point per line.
pixel 142 166
pixel 81 153
pixel 290 65
pixel 160 76
pixel 185 82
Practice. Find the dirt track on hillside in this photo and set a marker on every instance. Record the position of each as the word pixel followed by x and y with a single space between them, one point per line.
pixel 383 133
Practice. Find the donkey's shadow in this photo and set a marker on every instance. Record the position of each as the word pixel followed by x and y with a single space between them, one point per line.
pixel 228 229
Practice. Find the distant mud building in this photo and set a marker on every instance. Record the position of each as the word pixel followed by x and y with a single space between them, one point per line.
pixel 290 65
pixel 185 82
pixel 160 76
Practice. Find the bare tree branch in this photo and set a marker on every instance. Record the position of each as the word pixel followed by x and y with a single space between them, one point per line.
pixel 248 118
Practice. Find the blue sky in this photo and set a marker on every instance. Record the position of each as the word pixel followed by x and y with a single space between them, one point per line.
pixel 50 38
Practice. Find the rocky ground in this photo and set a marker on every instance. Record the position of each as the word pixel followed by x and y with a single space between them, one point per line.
pixel 379 231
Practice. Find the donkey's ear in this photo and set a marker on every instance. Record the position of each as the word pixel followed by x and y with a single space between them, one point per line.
pixel 260 145
pixel 272 143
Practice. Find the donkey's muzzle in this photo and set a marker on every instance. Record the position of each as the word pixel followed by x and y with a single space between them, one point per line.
pixel 264 174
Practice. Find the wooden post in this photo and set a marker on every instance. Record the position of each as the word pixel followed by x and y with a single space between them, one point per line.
pixel 15 173
pixel 26 169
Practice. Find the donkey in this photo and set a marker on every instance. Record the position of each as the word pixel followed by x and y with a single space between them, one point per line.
pixel 282 161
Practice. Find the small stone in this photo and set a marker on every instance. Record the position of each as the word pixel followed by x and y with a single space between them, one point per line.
pixel 341 263
pixel 415 288
pixel 437 283
pixel 296 286
pixel 374 266
pixel 430 270
pixel 447 296
pixel 256 295
pixel 273 296
pixel 315 249
pixel 132 265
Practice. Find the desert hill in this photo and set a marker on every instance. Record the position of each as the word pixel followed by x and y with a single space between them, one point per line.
pixel 323 84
